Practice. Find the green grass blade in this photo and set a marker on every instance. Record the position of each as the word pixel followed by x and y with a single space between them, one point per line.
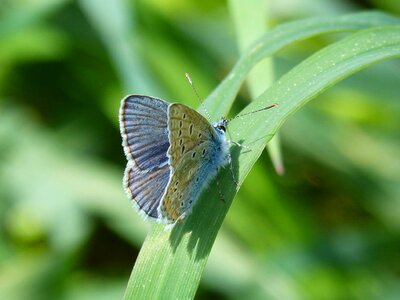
pixel 220 100
pixel 170 263
pixel 262 75
pixel 312 77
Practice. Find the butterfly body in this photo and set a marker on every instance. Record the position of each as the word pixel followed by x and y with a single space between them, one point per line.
pixel 173 153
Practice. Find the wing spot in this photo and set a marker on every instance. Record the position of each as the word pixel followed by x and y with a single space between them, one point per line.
pixel 197 179
pixel 177 182
pixel 184 116
pixel 183 149
pixel 194 155
pixel 190 129
pixel 180 123
pixel 180 196
pixel 180 142
pixel 180 132
pixel 203 152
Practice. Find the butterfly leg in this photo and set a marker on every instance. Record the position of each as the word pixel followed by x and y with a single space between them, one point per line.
pixel 181 217
pixel 178 220
pixel 221 197
pixel 239 145
pixel 232 173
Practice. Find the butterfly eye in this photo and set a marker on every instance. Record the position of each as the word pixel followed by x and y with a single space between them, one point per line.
pixel 222 128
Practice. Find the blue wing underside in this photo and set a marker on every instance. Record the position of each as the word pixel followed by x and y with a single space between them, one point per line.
pixel 146 188
pixel 144 122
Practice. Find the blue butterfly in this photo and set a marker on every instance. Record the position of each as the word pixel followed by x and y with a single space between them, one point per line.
pixel 173 152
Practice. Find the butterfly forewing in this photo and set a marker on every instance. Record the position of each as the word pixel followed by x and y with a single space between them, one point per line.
pixel 143 122
pixel 187 130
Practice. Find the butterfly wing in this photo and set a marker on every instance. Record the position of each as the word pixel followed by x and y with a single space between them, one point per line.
pixel 144 130
pixel 146 187
pixel 143 123
pixel 187 130
pixel 191 151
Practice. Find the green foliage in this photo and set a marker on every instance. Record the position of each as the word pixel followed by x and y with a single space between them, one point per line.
pixel 328 229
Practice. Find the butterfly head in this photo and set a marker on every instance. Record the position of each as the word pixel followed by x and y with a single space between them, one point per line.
pixel 221 125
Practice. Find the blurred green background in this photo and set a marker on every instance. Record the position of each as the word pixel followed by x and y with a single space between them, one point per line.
pixel 328 229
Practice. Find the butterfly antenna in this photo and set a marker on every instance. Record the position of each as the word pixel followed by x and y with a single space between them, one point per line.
pixel 255 111
pixel 197 95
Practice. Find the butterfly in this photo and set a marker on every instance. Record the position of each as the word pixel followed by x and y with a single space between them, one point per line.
pixel 173 153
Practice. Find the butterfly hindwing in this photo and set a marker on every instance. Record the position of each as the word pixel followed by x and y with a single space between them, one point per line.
pixel 189 177
pixel 146 187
